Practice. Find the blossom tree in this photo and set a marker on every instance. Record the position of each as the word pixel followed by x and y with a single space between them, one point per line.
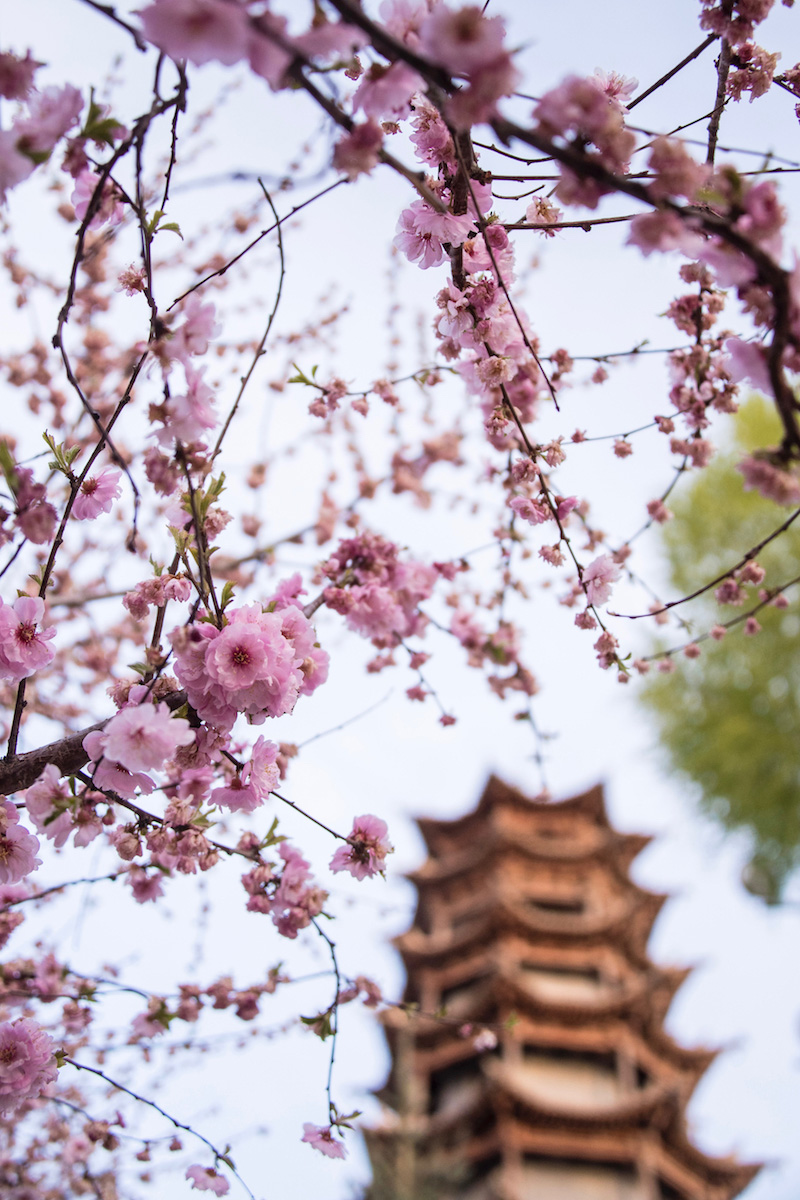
pixel 160 595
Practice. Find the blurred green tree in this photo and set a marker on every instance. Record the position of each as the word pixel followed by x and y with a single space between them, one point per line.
pixel 730 719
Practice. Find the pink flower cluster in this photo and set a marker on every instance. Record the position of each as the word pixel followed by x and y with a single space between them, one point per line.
pixel 249 788
pixel 18 846
pixel 202 31
pixel 584 111
pixel 156 592
pixel 292 898
pixel 376 593
pixel 366 849
pixel 259 663
pixel 27 1062
pixel 34 131
pixel 469 44
pixel 35 517
pixel 24 647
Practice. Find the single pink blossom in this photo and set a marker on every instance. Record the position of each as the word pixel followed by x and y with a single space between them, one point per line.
pixel 50 804
pixel 17 846
pixel 27 1062
pixel 366 849
pixel 385 92
pixel 51 113
pixel 142 737
pixel 97 494
pixel 16 75
pixel 598 577
pixel 24 646
pixel 206 1179
pixel 463 40
pixel 422 233
pixel 238 796
pixel 200 31
pixel 322 1139
pixel 358 151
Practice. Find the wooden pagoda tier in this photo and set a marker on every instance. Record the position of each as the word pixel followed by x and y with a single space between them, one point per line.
pixel 529 930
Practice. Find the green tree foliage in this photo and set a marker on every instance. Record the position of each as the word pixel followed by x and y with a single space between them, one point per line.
pixel 730 719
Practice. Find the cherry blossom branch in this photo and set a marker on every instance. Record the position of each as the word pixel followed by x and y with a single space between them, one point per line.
pixel 260 348
pixel 315 737
pixel 723 68
pixel 768 599
pixel 109 11
pixel 770 271
pixel 264 233
pixel 19 771
pixel 120 1087
pixel 751 554
pixel 698 50
pixel 333 1012
pixel 59 887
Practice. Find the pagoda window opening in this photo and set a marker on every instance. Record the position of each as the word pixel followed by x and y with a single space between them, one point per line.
pixel 461 920
pixel 454 1086
pixel 569 1078
pixel 572 984
pixel 667 1192
pixel 568 1179
pixel 557 904
pixel 462 988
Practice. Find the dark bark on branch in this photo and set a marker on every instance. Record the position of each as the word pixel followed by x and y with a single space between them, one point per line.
pixel 68 754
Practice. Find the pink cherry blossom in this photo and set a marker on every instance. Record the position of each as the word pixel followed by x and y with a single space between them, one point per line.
pixel 747 360
pixel 17 846
pixel 238 796
pixel 50 804
pixel 109 209
pixel 385 92
pixel 142 737
pixel 51 113
pixel 206 1179
pixel 258 664
pixel 200 31
pixel 367 845
pixel 463 40
pixel 773 482
pixel 97 494
pixel 27 1062
pixel 267 58
pixel 14 165
pixel 422 233
pixel 145 887
pixel 598 577
pixel 24 646
pixel 187 417
pixel 16 75
pixel 322 1139
pixel 358 151
pixel 199 327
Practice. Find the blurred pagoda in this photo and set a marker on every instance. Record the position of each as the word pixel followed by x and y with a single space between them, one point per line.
pixel 532 1062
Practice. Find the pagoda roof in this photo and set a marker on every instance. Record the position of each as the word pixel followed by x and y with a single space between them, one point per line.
pixel 589 805
pixel 586 1127
pixel 629 928
pixel 617 850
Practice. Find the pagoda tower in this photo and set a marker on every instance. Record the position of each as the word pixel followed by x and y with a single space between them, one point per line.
pixel 531 1060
